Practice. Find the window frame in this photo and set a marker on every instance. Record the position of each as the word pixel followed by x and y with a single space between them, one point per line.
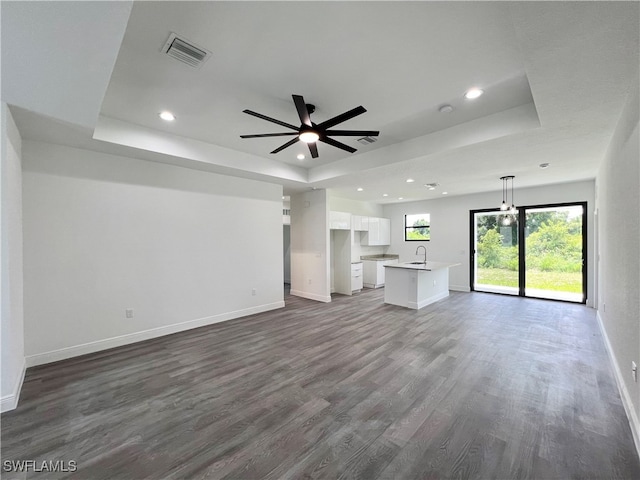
pixel 407 228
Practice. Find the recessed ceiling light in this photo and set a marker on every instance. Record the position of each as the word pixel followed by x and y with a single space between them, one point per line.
pixel 473 93
pixel 385 194
pixel 445 193
pixel 410 180
pixel 168 116
pixel 360 189
pixel 300 156
pixel 400 198
pixel 445 109
pixel 544 165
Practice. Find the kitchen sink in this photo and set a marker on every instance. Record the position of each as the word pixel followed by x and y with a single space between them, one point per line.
pixel 417 263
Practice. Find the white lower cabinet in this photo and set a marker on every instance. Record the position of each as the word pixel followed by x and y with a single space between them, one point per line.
pixel 356 277
pixel 373 272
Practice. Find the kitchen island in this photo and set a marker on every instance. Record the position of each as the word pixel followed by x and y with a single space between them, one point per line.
pixel 416 285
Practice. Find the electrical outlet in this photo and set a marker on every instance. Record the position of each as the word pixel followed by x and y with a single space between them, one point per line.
pixel 253 291
pixel 128 313
pixel 634 371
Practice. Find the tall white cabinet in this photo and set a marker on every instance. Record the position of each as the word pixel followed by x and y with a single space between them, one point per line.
pixel 372 231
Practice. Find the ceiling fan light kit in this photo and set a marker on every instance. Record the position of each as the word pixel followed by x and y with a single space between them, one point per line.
pixel 309 132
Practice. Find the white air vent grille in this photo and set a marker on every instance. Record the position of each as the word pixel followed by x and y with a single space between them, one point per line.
pixel 185 51
pixel 367 140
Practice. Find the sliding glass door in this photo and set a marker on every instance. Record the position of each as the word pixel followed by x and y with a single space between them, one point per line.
pixel 554 252
pixel 539 252
pixel 496 268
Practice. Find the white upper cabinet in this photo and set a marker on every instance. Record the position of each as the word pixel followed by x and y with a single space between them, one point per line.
pixel 360 223
pixel 339 220
pixel 379 232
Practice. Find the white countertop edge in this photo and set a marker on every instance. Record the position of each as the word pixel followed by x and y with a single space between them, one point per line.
pixel 429 266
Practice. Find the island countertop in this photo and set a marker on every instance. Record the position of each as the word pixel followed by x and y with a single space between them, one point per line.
pixel 427 267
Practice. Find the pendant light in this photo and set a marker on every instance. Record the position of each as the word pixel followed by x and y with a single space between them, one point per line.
pixel 503 207
pixel 505 195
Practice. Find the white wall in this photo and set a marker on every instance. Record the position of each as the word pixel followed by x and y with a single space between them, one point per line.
pixel 450 225
pixel 11 281
pixel 618 203
pixel 104 233
pixel 310 256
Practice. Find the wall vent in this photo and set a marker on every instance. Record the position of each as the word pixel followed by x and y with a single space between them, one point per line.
pixel 185 51
pixel 367 140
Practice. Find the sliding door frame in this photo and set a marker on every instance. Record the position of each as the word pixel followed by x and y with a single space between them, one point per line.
pixel 521 247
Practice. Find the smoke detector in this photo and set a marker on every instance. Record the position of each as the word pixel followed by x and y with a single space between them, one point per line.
pixel 185 51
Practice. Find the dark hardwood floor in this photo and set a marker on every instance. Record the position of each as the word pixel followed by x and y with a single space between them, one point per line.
pixel 474 386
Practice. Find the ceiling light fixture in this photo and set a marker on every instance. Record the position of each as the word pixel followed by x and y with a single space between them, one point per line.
pixel 385 194
pixel 309 136
pixel 473 93
pixel 168 116
pixel 300 156
pixel 445 193
pixel 400 198
pixel 360 189
pixel 505 195
pixel 410 180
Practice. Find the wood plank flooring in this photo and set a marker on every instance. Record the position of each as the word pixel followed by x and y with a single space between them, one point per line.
pixel 474 386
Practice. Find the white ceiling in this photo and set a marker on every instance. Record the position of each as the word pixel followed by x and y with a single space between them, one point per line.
pixel 555 75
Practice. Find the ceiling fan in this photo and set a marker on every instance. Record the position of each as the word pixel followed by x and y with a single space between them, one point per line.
pixel 310 133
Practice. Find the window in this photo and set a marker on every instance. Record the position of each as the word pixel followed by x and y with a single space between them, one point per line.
pixel 417 228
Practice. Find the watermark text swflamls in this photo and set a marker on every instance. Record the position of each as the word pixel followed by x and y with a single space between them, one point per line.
pixel 62 466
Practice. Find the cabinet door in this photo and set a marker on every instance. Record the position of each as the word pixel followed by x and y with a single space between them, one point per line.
pixel 385 231
pixel 356 223
pixel 360 223
pixel 339 220
pixel 380 279
pixel 373 233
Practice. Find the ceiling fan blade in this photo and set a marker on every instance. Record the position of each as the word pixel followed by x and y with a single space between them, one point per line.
pixel 260 135
pixel 354 133
pixel 335 143
pixel 313 148
pixel 269 119
pixel 303 113
pixel 288 144
pixel 343 117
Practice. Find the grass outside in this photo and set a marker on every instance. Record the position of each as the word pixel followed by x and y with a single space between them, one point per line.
pixel 553 281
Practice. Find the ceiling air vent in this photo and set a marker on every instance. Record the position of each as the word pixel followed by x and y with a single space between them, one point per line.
pixel 367 140
pixel 185 51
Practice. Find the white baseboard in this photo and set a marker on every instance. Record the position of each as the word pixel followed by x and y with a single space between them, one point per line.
pixel 624 393
pixel 9 402
pixel 311 296
pixel 428 301
pixel 459 288
pixel 91 347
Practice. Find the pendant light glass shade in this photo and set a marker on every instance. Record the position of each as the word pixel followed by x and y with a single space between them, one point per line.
pixel 505 195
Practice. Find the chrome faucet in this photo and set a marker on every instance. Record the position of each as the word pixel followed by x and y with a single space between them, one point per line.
pixel 425 252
